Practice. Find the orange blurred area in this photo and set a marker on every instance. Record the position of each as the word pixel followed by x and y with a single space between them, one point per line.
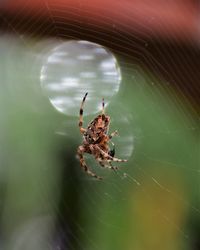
pixel 177 20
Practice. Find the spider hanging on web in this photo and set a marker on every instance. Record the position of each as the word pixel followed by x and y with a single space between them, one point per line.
pixel 96 141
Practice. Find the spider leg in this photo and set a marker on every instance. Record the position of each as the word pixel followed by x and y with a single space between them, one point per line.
pixel 82 130
pixel 113 134
pixel 80 153
pixel 116 159
pixel 107 156
pixel 113 167
pixel 99 157
pixel 103 104
pixel 109 165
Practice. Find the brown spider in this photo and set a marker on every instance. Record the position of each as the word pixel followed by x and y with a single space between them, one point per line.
pixel 95 141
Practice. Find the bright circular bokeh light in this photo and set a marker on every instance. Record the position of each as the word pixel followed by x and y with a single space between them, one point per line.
pixel 70 69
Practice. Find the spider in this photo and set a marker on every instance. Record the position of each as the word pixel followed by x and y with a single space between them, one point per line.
pixel 96 141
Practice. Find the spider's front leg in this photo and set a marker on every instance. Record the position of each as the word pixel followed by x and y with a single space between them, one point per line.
pixel 80 152
pixel 82 130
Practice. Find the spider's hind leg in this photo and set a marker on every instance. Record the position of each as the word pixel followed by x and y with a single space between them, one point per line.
pixel 80 153
pixel 106 164
pixel 108 157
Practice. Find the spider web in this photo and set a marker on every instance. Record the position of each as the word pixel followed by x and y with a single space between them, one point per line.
pixel 153 200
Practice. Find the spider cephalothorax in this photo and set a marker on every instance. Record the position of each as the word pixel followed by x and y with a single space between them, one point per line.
pixel 96 141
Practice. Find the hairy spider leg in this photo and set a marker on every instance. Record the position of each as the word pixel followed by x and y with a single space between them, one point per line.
pixel 113 134
pixel 80 153
pixel 82 130
pixel 103 162
pixel 106 156
pixel 109 165
pixel 103 107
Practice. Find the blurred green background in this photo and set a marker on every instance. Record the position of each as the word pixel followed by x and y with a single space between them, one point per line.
pixel 48 202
